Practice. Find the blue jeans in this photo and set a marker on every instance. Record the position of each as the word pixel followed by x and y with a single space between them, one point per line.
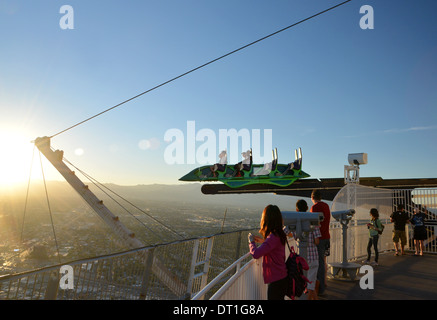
pixel 373 241
pixel 323 250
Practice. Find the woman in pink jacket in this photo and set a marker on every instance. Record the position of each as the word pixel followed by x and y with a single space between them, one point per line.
pixel 272 250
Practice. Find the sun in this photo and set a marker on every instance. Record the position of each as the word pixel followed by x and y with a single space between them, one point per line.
pixel 16 151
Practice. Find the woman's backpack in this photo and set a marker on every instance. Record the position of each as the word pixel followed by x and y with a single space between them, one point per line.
pixel 297 282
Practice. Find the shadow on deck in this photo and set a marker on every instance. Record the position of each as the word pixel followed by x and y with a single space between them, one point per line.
pixel 405 277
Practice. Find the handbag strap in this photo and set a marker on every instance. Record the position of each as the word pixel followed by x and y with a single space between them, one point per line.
pixel 377 221
pixel 290 248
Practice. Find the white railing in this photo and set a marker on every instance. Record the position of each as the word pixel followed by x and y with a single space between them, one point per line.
pixel 233 268
pixel 245 283
pixel 248 284
pixel 208 267
pixel 362 199
pixel 357 237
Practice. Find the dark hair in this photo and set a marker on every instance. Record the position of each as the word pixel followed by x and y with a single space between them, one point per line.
pixel 271 222
pixel 316 194
pixel 374 212
pixel 301 205
pixel 400 206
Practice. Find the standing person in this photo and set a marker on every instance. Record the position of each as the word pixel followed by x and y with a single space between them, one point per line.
pixel 400 218
pixel 272 250
pixel 374 226
pixel 312 256
pixel 324 244
pixel 418 220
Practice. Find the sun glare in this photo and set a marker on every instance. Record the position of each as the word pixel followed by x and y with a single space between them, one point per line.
pixel 15 157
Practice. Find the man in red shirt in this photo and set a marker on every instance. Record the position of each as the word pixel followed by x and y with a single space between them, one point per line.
pixel 324 243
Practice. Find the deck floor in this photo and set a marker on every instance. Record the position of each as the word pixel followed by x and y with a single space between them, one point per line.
pixel 405 277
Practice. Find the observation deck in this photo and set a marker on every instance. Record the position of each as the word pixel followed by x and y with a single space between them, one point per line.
pixel 406 277
pixel 219 266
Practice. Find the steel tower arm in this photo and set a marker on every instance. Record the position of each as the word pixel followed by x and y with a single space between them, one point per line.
pixel 56 159
pixel 126 236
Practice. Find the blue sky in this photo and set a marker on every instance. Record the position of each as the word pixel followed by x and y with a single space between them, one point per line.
pixel 326 86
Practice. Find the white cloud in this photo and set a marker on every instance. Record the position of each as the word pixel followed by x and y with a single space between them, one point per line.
pixel 149 144
pixel 410 129
pixel 392 131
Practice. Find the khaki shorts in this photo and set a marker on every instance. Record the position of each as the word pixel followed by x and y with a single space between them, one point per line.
pixel 312 274
pixel 398 234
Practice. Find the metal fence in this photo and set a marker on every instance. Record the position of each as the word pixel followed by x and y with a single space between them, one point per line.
pixel 181 269
pixel 364 198
pixel 169 271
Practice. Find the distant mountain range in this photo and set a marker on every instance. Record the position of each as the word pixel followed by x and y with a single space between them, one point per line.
pixel 190 193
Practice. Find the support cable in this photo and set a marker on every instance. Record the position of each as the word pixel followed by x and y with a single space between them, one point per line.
pixel 204 65
pixel 27 195
pixel 102 186
pixel 50 210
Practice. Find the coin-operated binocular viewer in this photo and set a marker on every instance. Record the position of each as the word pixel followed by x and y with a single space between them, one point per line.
pixel 344 270
pixel 300 223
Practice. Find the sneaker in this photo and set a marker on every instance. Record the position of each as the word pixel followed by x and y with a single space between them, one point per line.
pixel 366 261
pixel 374 263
